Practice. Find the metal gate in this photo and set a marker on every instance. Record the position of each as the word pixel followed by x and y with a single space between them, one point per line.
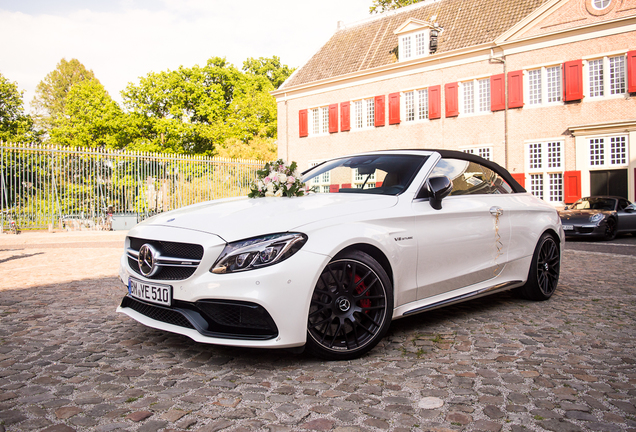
pixel 43 186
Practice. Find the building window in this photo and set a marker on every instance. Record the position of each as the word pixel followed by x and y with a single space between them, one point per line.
pixel 416 105
pixel 406 47
pixel 544 85
pixel 320 120
pixel 420 44
pixel 484 152
pixel 468 93
pixel 484 95
pixel 545 167
pixel 601 4
pixel 608 151
pixel 606 76
pixel 475 101
pixel 536 185
pixel 363 113
pixel 366 180
pixel 321 183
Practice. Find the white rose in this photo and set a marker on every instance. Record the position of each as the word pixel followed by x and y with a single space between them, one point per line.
pixel 270 187
pixel 279 193
pixel 282 178
pixel 269 194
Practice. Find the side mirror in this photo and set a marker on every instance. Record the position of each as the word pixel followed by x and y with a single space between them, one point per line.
pixel 438 188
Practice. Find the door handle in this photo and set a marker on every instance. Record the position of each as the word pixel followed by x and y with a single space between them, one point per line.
pixel 496 211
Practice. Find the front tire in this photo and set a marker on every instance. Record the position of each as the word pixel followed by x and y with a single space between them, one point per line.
pixel 610 229
pixel 543 276
pixel 350 309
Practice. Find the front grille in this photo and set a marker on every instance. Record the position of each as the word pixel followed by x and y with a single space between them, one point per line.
pixel 176 250
pixel 158 313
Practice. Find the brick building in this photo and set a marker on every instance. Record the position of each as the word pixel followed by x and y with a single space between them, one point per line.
pixel 546 88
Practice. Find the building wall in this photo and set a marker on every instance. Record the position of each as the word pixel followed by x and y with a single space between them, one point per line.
pixel 520 126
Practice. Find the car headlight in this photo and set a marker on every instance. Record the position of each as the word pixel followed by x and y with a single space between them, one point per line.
pixel 258 252
pixel 597 217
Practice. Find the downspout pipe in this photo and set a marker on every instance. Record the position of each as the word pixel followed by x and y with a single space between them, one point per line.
pixel 502 60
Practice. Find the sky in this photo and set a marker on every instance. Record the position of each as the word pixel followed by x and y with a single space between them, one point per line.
pixel 122 40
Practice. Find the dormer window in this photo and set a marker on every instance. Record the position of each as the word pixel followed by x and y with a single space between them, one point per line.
pixel 414 38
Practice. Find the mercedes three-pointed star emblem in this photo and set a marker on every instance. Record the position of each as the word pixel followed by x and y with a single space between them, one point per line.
pixel 148 260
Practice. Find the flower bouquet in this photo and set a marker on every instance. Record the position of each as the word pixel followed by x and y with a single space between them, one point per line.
pixel 277 179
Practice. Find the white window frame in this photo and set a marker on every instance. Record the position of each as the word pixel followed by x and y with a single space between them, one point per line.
pixel 319 121
pixel 482 151
pixel 545 166
pixel 540 89
pixel 414 102
pixel 363 114
pixel 610 77
pixel 480 95
pixel 601 151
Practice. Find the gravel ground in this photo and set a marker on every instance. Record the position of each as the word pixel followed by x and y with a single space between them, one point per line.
pixel 68 362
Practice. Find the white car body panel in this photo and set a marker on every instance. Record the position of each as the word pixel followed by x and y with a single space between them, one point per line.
pixel 474 253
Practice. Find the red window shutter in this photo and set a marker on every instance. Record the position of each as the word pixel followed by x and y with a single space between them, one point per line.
pixel 378 184
pixel 379 110
pixel 631 71
pixel 333 118
pixel 497 92
pixel 334 188
pixel 346 186
pixel 515 89
pixel 345 118
pixel 520 177
pixel 571 186
pixel 394 108
pixel 302 123
pixel 434 102
pixel 450 96
pixel 573 80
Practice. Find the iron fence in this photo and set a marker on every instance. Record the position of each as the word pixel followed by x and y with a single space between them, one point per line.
pixel 43 186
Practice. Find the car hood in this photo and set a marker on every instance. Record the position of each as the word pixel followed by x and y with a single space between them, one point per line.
pixel 580 215
pixel 239 218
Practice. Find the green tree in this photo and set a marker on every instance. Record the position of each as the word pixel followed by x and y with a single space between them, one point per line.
pixel 380 6
pixel 51 93
pixel 90 118
pixel 15 125
pixel 271 68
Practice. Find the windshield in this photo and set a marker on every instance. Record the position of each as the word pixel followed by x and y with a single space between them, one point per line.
pixel 375 174
pixel 594 204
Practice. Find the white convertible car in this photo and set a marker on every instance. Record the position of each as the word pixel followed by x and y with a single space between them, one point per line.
pixel 386 235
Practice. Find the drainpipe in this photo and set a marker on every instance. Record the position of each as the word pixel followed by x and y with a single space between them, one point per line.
pixel 502 60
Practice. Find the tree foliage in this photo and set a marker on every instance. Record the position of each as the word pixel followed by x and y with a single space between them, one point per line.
pixel 51 93
pixel 90 119
pixel 271 68
pixel 380 6
pixel 15 125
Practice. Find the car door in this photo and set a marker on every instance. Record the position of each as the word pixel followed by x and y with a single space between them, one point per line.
pixel 464 243
pixel 626 215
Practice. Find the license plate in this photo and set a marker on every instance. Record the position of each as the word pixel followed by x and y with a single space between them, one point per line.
pixel 568 227
pixel 153 293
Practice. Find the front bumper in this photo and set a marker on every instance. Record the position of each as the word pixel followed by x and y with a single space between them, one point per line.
pixel 586 230
pixel 267 307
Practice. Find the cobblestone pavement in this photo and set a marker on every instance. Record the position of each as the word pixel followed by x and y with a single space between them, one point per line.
pixel 68 362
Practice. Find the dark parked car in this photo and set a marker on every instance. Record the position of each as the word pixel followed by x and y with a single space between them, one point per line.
pixel 599 216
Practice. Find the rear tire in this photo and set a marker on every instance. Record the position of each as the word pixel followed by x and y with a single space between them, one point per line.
pixel 543 276
pixel 350 309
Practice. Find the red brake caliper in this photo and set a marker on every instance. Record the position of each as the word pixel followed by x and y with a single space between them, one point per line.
pixel 365 303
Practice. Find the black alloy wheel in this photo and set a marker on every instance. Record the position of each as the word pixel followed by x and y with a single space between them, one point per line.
pixel 545 268
pixel 350 309
pixel 610 229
